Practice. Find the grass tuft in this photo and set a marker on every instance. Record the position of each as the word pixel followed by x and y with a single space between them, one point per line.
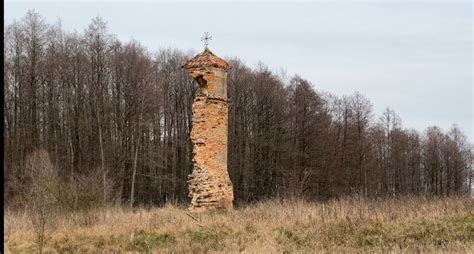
pixel 146 242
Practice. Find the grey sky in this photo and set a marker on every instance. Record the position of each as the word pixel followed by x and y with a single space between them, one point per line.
pixel 414 57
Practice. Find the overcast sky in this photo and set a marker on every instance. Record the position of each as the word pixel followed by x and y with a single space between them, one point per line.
pixel 414 57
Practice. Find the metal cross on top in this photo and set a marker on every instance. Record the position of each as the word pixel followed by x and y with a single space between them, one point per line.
pixel 206 38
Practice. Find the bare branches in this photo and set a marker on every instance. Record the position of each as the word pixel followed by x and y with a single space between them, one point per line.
pixel 101 107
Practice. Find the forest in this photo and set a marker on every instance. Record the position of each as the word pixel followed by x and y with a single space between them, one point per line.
pixel 106 121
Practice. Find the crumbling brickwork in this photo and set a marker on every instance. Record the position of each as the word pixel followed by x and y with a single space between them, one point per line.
pixel 210 187
pixel 209 184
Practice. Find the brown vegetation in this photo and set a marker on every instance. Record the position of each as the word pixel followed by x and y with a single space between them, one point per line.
pixel 115 110
pixel 92 122
pixel 350 225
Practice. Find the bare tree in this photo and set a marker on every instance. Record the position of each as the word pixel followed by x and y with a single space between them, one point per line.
pixel 114 111
pixel 42 175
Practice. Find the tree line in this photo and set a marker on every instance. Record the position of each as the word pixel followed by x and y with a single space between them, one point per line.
pixel 99 106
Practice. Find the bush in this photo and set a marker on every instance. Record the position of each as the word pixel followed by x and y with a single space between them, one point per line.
pixel 46 193
pixel 44 187
pixel 43 177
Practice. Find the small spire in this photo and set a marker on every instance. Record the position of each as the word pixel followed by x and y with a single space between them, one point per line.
pixel 206 38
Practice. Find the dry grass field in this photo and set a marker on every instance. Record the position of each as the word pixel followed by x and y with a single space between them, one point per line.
pixel 342 226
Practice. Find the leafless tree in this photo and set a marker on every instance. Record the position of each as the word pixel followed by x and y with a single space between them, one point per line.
pixel 114 111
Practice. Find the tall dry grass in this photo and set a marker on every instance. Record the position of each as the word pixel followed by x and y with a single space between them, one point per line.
pixel 347 225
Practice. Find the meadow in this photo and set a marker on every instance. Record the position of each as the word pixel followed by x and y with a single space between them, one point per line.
pixel 350 225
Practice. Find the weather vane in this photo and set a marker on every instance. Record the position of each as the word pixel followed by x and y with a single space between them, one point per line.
pixel 206 38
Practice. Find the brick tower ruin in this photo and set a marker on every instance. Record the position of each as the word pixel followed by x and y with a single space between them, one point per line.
pixel 210 187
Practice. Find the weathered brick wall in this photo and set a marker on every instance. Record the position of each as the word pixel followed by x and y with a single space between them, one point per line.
pixel 210 187
pixel 212 81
